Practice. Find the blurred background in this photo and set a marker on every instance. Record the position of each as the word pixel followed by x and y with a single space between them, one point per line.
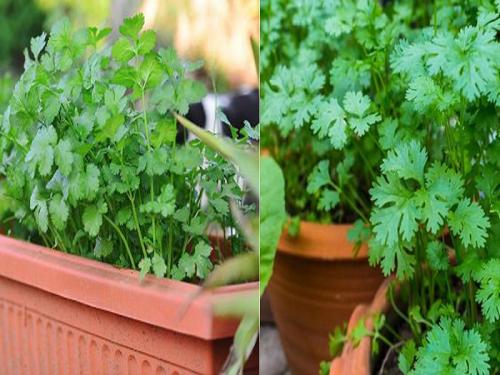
pixel 219 32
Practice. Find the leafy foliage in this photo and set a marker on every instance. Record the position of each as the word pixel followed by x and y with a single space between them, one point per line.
pixel 386 114
pixel 88 149
pixel 450 348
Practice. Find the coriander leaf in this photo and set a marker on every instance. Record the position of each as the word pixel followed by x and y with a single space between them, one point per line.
pixel 159 266
pixel 122 50
pixel 330 122
pixel 59 211
pixel 407 161
pixel 132 26
pixel 102 248
pixel 488 294
pixel 450 348
pixel 41 152
pixel 357 104
pixel 437 256
pixel 336 340
pixel 443 188
pixel 396 211
pixel 201 256
pixel 319 177
pixel 144 267
pixel 64 156
pixel 165 132
pixel 328 200
pixel 407 356
pixel 37 44
pixel 92 218
pixel 220 205
pixel 470 223
pixel 147 42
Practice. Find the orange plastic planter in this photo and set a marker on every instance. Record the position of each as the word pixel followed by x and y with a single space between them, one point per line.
pixel 63 314
pixel 316 284
pixel 357 360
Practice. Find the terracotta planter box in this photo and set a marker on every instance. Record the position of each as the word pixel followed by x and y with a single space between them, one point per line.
pixel 358 360
pixel 316 284
pixel 62 314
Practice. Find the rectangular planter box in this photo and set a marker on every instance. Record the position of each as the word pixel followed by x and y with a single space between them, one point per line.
pixel 63 314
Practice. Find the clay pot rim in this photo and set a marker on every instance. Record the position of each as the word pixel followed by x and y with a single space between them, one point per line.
pixel 319 241
pixel 156 301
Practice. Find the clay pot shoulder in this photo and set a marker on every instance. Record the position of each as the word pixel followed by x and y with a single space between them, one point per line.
pixel 61 312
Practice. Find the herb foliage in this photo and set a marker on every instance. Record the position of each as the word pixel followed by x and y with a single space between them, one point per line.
pixel 388 112
pixel 89 154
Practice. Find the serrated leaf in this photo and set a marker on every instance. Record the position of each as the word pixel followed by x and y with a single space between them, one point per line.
pixel 144 267
pixel 470 223
pixel 132 26
pixel 147 42
pixel 122 50
pixel 59 211
pixel 328 200
pixel 92 220
pixel 319 177
pixel 64 156
pixel 407 160
pixel 488 294
pixel 159 266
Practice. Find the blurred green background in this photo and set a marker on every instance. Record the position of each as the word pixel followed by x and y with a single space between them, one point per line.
pixel 215 31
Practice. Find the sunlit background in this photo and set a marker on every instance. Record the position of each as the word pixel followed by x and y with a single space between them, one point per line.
pixel 219 32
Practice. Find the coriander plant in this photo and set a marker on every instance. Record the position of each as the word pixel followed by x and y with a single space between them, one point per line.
pixel 400 101
pixel 90 161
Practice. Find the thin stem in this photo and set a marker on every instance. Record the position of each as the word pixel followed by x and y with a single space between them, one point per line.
pixel 350 202
pixel 137 227
pixel 124 240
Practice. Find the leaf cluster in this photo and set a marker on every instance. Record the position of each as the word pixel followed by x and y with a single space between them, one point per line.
pixel 88 149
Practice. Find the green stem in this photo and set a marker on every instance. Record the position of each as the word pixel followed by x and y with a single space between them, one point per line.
pixel 137 227
pixel 124 240
pixel 350 202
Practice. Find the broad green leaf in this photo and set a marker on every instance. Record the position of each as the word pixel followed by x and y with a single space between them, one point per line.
pixel 272 216
pixel 132 26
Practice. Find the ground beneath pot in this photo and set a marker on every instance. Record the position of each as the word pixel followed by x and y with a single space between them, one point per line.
pixel 272 359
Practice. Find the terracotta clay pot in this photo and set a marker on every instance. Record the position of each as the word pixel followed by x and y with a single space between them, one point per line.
pixel 62 314
pixel 357 360
pixel 316 284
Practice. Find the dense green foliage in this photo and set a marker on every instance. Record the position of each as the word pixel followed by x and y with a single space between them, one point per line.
pixel 390 112
pixel 91 164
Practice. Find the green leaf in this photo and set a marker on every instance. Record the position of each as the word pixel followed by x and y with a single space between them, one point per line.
pixel 449 348
pixel 122 50
pixel 272 216
pixel 407 356
pixel 132 26
pixel 41 152
pixel 165 132
pixel 110 128
pixel 328 200
pixel 37 45
pixel 336 340
pixel 470 223
pixel 102 248
pixel 331 123
pixel 319 177
pixel 144 267
pixel 443 188
pixel 396 211
pixel 92 218
pixel 437 256
pixel 407 160
pixel 357 104
pixel 488 294
pixel 64 156
pixel 59 211
pixel 159 266
pixel 147 42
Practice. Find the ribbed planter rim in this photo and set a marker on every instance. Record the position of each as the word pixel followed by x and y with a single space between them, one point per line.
pixel 321 241
pixel 155 301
